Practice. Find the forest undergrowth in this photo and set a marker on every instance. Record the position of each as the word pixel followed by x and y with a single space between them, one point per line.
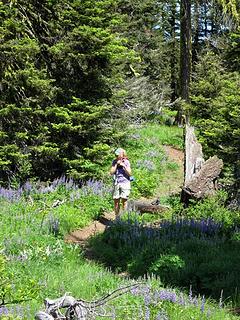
pixel 186 260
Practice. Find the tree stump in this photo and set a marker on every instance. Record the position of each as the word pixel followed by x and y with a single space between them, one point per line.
pixel 204 182
pixel 200 177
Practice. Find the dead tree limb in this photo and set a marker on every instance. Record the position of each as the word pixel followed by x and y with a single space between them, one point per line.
pixel 68 308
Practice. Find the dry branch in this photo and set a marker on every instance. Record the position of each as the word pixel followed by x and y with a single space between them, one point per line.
pixel 69 308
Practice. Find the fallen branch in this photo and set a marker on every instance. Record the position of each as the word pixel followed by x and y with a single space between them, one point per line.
pixel 69 308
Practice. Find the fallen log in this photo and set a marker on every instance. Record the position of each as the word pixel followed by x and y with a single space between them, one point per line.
pixel 146 207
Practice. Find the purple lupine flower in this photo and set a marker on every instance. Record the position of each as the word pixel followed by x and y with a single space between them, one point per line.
pixel 202 304
pixel 27 187
pixel 152 154
pixel 11 194
pixel 221 300
pixel 190 294
pixel 4 311
pixel 195 301
pixel 140 313
pixel 182 300
pixel 54 225
pixel 146 164
pixel 161 315
pixel 134 291
pixel 147 299
pixel 147 313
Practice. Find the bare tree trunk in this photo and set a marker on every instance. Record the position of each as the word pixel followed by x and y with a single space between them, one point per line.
pixel 195 46
pixel 173 59
pixel 204 181
pixel 185 53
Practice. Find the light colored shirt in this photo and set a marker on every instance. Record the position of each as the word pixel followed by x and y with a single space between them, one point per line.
pixel 120 175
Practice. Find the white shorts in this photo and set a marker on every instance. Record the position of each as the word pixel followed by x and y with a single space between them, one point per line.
pixel 121 190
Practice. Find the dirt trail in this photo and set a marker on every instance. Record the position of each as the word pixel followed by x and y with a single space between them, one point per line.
pixel 80 236
pixel 170 185
pixel 174 154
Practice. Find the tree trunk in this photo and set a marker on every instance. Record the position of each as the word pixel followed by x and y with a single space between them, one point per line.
pixel 193 155
pixel 185 48
pixel 173 58
pixel 185 53
pixel 195 46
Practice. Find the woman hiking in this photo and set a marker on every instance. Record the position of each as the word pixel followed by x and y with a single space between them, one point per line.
pixel 121 171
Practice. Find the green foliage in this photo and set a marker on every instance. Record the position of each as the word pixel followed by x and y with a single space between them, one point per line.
pixel 5 285
pixel 213 207
pixel 167 264
pixel 232 53
pixel 148 160
pixel 215 107
pixel 40 264
pixel 57 74
pixel 179 255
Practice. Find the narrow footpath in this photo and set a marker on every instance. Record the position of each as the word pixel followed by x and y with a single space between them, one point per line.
pixel 171 186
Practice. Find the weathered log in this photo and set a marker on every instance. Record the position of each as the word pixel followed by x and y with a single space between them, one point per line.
pixel 203 183
pixel 146 207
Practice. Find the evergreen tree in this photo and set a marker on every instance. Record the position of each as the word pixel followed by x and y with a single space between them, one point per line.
pixel 215 109
pixel 59 65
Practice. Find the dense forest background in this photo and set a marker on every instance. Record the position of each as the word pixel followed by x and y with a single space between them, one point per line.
pixel 74 75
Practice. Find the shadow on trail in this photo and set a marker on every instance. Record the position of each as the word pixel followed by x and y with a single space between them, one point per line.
pixel 201 254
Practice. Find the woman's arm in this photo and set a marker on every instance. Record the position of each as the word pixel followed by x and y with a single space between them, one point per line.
pixel 113 169
pixel 126 168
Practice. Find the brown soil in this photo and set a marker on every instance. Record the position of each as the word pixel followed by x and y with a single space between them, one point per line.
pixel 175 155
pixel 82 235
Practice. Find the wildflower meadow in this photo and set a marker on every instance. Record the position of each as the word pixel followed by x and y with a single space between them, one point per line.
pixel 184 263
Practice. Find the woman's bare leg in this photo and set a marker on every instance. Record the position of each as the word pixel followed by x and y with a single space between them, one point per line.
pixel 124 205
pixel 116 206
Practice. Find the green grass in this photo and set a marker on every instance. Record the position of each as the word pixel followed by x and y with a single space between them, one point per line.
pixel 155 174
